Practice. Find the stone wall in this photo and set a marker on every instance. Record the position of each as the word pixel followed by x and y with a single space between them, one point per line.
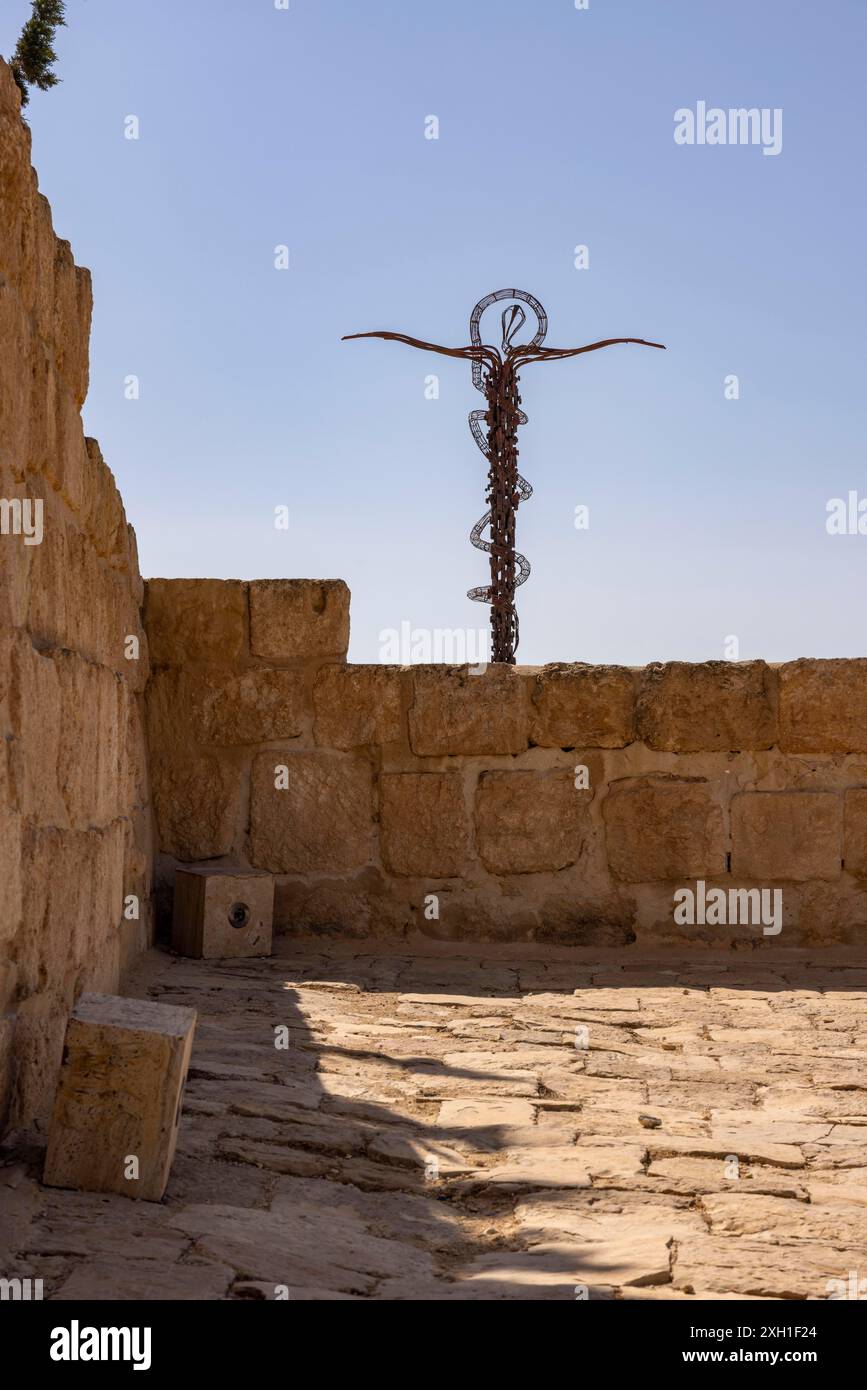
pixel 75 835
pixel 435 799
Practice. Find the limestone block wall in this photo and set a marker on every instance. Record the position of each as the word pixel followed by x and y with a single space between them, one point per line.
pixel 565 803
pixel 75 830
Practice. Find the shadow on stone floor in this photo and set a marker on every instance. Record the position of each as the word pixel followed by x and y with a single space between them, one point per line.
pixel 521 1123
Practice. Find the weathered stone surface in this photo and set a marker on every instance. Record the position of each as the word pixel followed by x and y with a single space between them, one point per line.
pixel 424 829
pixel 823 706
pixel 786 835
pixel 36 713
pixel 299 619
pixel 458 710
pixel 190 620
pixel 331 907
pixel 358 705
pixel 221 913
pixel 197 799
pixel 581 706
pixel 321 821
pixel 377 1112
pixel 708 1266
pixel 714 705
pixel 855 831
pixel 661 829
pixel 256 706
pixel 124 1068
pixel 530 822
pixel 71 778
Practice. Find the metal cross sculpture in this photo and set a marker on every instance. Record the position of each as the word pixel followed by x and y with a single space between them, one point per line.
pixel 495 374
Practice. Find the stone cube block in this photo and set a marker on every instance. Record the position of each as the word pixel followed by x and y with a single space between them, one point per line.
pixel 222 913
pixel 118 1104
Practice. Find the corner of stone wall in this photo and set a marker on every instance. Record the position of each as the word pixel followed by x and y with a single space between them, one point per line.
pixel 76 838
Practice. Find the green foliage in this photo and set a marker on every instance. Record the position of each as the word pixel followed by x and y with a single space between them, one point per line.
pixel 34 55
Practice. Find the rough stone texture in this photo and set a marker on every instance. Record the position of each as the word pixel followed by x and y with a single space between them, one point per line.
pixel 456 710
pixel 423 822
pixel 823 706
pixel 358 705
pixel 660 829
pixel 580 706
pixel 433 1133
pixel 787 835
pixel 222 913
pixel 320 822
pixel 197 798
pixel 191 620
pixel 296 619
pixel 529 822
pixel 855 831
pixel 75 836
pixel 119 1096
pixel 713 706
pixel 657 812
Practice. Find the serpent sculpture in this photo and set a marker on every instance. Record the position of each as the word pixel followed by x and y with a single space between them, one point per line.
pixel 495 430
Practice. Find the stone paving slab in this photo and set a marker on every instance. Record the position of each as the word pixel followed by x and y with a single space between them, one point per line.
pixel 487 1122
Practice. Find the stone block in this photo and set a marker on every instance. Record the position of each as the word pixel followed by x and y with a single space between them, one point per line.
pixel 358 705
pixel 530 822
pixel 255 706
pixel 581 706
pixel 189 620
pixel 119 1096
pixel 855 831
pixel 710 706
pixel 222 913
pixel 216 705
pixel 794 835
pixel 423 824
pixel 197 802
pixel 663 829
pixel 310 812
pixel 299 619
pixel 455 711
pixel 823 706
pixel 93 712
pixel 35 712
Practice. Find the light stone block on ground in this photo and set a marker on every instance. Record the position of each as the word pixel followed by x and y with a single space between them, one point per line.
pixel 222 913
pixel 118 1106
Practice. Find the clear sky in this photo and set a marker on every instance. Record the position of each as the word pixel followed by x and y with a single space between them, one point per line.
pixel 305 127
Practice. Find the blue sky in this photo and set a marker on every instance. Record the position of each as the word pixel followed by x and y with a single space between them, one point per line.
pixel 262 127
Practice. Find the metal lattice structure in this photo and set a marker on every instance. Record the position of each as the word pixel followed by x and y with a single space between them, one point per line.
pixel 495 430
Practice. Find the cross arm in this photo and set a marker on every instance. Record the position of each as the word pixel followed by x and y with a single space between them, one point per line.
pixel 472 353
pixel 543 354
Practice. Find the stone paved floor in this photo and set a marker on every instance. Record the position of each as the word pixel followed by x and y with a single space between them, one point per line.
pixel 494 1123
